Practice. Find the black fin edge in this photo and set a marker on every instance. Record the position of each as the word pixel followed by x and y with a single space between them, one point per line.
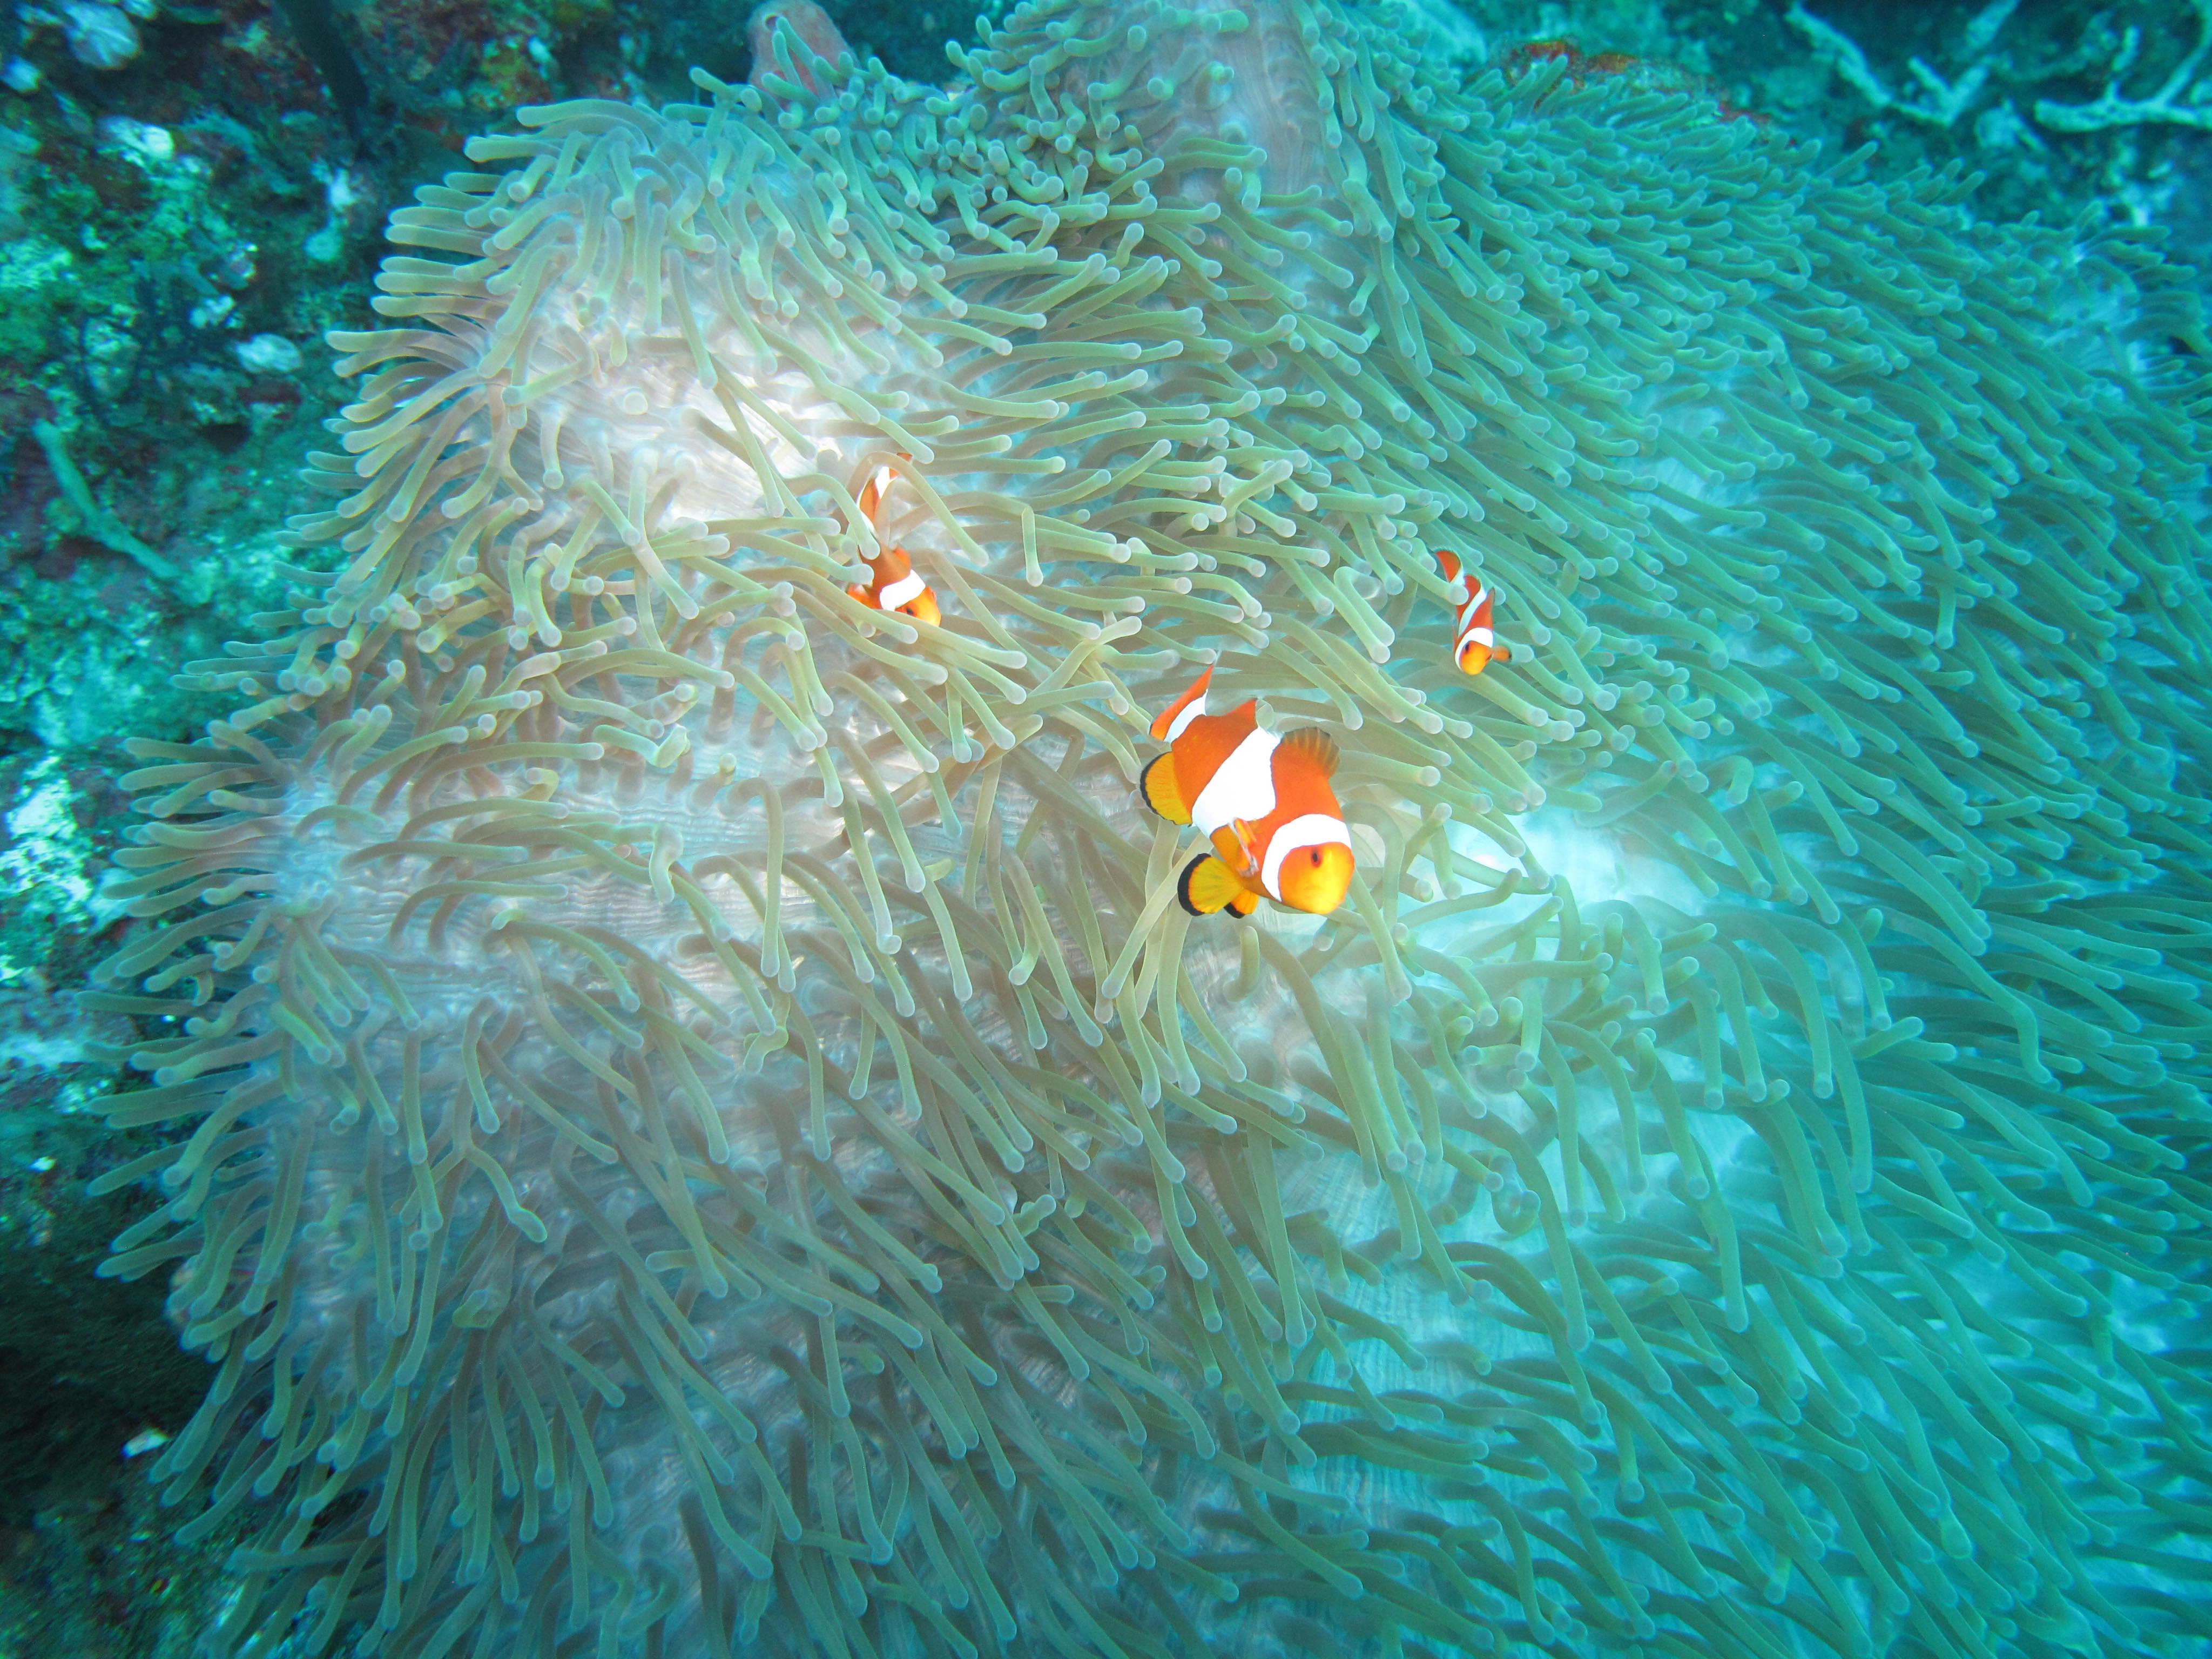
pixel 1182 886
pixel 1144 786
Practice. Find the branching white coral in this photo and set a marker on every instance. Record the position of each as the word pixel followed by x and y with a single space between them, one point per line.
pixel 2182 99
pixel 100 524
pixel 1945 100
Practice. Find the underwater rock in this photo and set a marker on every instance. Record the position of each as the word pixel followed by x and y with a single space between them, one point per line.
pixel 269 354
pixel 709 1132
pixel 101 35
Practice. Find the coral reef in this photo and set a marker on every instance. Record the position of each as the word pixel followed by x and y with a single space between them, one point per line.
pixel 1942 101
pixel 2176 100
pixel 2179 99
pixel 708 1133
pixel 2065 108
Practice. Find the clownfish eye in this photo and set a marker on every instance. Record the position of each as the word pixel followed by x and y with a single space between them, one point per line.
pixel 1313 858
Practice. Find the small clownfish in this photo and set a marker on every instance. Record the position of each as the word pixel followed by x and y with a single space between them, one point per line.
pixel 1263 800
pixel 1475 639
pixel 893 584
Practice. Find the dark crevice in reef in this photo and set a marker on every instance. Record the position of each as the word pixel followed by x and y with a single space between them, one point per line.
pixel 323 38
pixel 85 1362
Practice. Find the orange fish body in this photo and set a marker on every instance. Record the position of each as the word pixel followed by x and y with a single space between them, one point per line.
pixel 892 584
pixel 1474 636
pixel 1264 801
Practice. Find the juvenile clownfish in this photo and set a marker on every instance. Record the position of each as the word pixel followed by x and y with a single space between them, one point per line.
pixel 1263 800
pixel 893 584
pixel 1474 638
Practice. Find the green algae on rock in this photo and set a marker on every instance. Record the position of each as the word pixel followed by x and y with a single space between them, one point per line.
pixel 711 1135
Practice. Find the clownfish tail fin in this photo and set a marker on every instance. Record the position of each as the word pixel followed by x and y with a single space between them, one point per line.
pixel 1206 886
pixel 1168 726
pixel 1157 781
pixel 1449 563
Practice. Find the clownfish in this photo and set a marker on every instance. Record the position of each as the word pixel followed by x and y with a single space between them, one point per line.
pixel 1475 639
pixel 1263 800
pixel 893 584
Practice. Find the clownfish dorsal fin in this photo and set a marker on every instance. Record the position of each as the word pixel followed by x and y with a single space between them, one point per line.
pixel 1315 744
pixel 1169 726
pixel 1454 571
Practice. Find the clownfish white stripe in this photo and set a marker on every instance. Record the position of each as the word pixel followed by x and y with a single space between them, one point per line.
pixel 1307 830
pixel 1181 723
pixel 1479 635
pixel 881 481
pixel 904 591
pixel 1243 787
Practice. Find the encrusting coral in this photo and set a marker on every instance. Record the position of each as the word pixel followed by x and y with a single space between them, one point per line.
pixel 710 1135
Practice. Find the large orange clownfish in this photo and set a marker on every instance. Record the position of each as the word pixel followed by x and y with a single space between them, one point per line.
pixel 1474 636
pixel 1263 800
pixel 893 584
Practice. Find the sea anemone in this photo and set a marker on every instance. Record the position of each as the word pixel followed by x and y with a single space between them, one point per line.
pixel 712 1135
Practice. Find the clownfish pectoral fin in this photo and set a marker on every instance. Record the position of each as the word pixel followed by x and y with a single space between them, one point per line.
pixel 899 586
pixel 1248 846
pixel 864 593
pixel 1184 709
pixel 1314 744
pixel 1207 885
pixel 1243 904
pixel 1157 781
